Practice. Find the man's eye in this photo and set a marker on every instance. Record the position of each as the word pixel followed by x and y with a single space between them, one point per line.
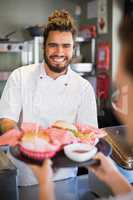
pixel 66 45
pixel 52 45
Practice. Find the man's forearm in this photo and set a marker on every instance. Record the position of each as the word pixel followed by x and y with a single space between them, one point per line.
pixel 6 125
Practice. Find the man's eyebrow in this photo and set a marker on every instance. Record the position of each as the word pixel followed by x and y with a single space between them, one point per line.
pixel 52 43
pixel 58 43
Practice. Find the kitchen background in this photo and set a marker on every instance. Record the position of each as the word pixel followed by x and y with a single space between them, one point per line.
pixel 97 44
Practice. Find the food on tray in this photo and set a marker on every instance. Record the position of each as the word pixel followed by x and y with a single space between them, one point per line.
pixel 89 138
pixel 65 125
pixel 87 129
pixel 80 152
pixel 60 133
pixel 38 142
pixel 62 137
pixel 31 135
pixel 83 133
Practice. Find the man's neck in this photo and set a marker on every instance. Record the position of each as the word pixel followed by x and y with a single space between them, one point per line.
pixel 52 74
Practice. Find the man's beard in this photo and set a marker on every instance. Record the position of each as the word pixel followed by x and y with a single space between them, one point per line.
pixel 57 68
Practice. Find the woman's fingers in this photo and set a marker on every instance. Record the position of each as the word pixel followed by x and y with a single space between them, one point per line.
pixel 43 173
pixel 106 169
pixel 46 164
pixel 104 162
pixel 34 167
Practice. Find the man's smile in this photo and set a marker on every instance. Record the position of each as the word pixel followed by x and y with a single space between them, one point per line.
pixel 57 60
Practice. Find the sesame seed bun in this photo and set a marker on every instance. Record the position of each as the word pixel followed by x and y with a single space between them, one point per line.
pixel 64 125
pixel 30 136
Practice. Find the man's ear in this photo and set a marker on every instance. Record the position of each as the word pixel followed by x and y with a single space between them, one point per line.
pixel 74 46
pixel 44 47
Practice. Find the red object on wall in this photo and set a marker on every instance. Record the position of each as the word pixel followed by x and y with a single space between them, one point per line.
pixel 103 56
pixel 102 88
pixel 87 31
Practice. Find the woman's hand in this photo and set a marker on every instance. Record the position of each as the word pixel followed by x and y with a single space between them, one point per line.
pixel 44 175
pixel 108 173
pixel 105 169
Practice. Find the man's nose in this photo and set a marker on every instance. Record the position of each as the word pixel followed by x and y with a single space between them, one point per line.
pixel 60 50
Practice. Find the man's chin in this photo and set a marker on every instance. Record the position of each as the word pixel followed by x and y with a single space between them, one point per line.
pixel 58 69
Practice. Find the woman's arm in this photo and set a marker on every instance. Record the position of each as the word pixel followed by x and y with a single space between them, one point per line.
pixel 44 175
pixel 108 173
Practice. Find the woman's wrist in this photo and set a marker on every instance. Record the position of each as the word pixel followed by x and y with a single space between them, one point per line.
pixel 118 184
pixel 46 191
pixel 44 181
pixel 46 184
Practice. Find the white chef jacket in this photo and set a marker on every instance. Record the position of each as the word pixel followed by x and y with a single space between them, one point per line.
pixel 44 100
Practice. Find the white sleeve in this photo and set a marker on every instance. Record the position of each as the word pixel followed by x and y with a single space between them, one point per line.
pixel 10 103
pixel 87 113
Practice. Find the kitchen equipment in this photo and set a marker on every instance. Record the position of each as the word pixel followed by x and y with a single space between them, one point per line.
pixel 13 54
pixel 82 68
pixel 60 160
pixel 35 30
pixel 36 49
pixel 103 56
pixel 87 31
pixel 11 46
pixel 8 184
pixel 6 37
pixel 122 153
pixel 103 85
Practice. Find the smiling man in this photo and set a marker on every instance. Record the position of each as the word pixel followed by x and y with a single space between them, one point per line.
pixel 48 92
pixel 58 52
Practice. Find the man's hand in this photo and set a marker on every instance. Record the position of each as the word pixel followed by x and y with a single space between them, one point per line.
pixel 11 137
pixel 108 173
pixel 6 125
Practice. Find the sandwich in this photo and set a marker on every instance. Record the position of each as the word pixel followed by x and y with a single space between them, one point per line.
pixel 65 125
pixel 87 136
pixel 37 145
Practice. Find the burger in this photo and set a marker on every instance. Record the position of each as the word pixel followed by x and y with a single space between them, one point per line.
pixel 32 136
pixel 65 125
pixel 37 145
pixel 84 133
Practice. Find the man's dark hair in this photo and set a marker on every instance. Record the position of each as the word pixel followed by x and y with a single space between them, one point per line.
pixel 126 39
pixel 60 20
